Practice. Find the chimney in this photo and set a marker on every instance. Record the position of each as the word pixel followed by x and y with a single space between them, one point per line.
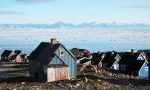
pixel 133 51
pixel 54 41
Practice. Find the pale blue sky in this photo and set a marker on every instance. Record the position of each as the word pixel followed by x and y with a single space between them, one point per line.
pixel 74 11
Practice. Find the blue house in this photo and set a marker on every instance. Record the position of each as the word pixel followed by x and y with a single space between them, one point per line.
pixel 47 54
pixel 134 63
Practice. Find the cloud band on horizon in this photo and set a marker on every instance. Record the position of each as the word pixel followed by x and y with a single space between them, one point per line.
pixel 6 12
pixel 34 1
pixel 145 6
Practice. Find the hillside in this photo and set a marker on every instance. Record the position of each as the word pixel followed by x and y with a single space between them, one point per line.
pixel 103 80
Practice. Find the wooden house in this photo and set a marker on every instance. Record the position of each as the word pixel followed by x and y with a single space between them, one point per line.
pixel 134 63
pixel 18 56
pixel 6 56
pixel 80 53
pixel 84 60
pixel 21 58
pixel 51 53
pixel 83 57
pixel 13 56
pixel 97 59
pixel 111 60
pixel 114 61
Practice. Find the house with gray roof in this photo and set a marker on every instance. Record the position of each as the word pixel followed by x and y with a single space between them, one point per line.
pixel 50 53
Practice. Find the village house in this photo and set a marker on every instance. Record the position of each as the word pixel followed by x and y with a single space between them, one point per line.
pixel 114 61
pixel 97 58
pixel 111 61
pixel 80 53
pixel 6 55
pixel 13 56
pixel 147 54
pixel 83 57
pixel 19 56
pixel 47 54
pixel 134 63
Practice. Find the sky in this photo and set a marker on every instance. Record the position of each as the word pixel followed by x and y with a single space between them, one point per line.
pixel 74 11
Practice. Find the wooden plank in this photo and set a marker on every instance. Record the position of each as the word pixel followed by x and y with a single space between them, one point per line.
pixel 50 74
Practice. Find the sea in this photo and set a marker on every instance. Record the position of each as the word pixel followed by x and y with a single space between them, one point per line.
pixel 92 39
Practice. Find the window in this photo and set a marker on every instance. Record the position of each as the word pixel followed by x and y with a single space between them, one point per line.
pixel 146 68
pixel 61 52
pixel 122 67
pixel 115 66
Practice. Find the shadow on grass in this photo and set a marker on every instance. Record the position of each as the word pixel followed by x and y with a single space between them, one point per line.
pixel 17 80
pixel 119 81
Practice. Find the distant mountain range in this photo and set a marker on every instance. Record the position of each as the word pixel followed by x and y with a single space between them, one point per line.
pixel 90 25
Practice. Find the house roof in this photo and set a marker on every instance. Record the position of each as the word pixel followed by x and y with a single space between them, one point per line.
pixel 136 66
pixel 120 54
pixel 147 53
pixel 84 60
pixel 110 58
pixel 41 48
pixel 16 52
pixel 81 50
pixel 46 51
pixel 97 57
pixel 129 58
pixel 6 53
pixel 76 51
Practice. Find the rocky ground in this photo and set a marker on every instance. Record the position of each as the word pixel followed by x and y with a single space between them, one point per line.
pixel 102 80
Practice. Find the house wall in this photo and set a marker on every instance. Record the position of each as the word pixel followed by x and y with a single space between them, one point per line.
pixel 68 60
pixel 115 66
pixel 57 73
pixel 141 57
pixel 19 58
pixel 32 68
pixel 56 60
pixel 144 71
pixel 123 67
pixel 10 70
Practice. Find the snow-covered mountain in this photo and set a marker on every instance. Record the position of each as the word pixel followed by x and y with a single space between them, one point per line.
pixel 89 25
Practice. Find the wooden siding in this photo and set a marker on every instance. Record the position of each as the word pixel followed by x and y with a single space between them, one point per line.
pixel 115 66
pixel 56 60
pixel 8 70
pixel 141 57
pixel 50 74
pixel 68 60
pixel 143 73
pixel 57 73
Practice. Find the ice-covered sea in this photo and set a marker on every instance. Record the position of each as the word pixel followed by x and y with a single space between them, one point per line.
pixel 94 40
